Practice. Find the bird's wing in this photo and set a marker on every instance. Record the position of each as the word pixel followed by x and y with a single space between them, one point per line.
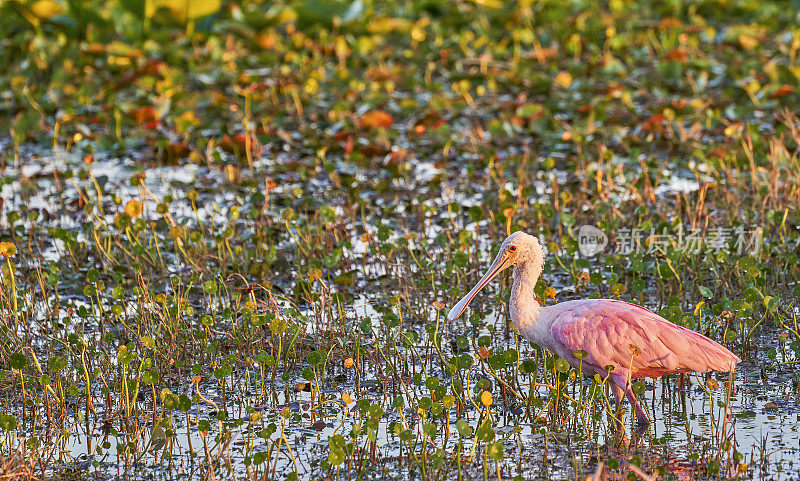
pixel 636 341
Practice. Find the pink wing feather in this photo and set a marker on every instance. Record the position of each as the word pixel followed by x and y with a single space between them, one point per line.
pixel 607 330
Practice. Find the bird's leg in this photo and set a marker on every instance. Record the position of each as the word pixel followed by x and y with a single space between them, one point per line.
pixel 621 437
pixel 619 395
pixel 642 421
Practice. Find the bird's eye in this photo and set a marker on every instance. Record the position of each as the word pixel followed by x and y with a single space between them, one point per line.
pixel 512 248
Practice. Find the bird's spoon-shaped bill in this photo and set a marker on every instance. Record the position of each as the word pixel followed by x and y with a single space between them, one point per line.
pixel 501 262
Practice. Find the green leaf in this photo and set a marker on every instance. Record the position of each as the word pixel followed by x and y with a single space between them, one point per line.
pixel 316 357
pixel 331 259
pixel 8 422
pixel 326 11
pixel 465 361
pixel 336 457
pixel 18 361
pixel 210 287
pixel 485 433
pixel 336 442
pixel 772 302
pixel 170 400
pixel 327 213
pixel 664 270
pixel 705 292
pixel 431 383
pixel 528 366
pixel 184 403
pixel 124 356
pixel 93 275
pixel 460 259
pixel 463 427
pixel 495 451
pixel 746 263
pixel 150 377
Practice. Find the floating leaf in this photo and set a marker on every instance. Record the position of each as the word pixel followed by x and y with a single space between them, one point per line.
pixel 328 11
pixel 463 427
pixel 705 292
pixel 375 119
pixel 563 79
pixel 485 433
pixel 133 208
pixel 57 364
pixel 46 9
pixel 7 249
pixel 783 91
pixel 748 42
pixel 183 10
pixel 17 360
pixel 150 377
pixel 495 451
pixel 8 422
pixel 210 287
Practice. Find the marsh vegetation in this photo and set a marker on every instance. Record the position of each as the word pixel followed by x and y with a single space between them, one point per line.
pixel 230 235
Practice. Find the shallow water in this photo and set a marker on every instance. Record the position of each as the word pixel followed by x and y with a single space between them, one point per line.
pixel 768 437
pixel 764 425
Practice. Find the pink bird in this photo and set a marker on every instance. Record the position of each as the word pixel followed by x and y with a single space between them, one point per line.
pixel 634 341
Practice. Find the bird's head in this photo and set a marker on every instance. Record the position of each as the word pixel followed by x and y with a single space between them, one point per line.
pixel 518 248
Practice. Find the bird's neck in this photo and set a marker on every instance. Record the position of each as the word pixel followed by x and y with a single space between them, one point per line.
pixel 523 305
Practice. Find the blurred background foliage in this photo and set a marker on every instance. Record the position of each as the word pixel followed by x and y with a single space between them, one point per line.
pixel 47 43
pixel 138 20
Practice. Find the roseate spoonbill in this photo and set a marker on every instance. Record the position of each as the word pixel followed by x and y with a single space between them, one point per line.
pixel 634 341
